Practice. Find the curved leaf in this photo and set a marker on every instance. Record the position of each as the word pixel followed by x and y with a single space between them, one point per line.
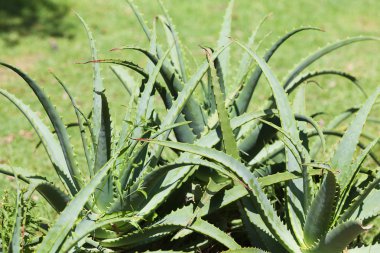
pixel 58 125
pixel 249 181
pixel 307 76
pixel 366 249
pixel 343 155
pixel 63 225
pixel 246 250
pixel 50 144
pixel 224 38
pixel 326 50
pixel 339 237
pixel 245 95
pixel 79 115
pixel 172 37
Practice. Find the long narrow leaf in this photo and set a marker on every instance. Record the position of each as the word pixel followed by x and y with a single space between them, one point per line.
pixel 266 210
pixel 344 153
pixel 326 50
pixel 60 230
pixel 51 146
pixel 58 125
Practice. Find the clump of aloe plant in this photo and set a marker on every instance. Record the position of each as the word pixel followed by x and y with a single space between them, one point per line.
pixel 202 170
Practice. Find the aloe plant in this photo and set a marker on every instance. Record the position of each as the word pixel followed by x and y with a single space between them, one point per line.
pixel 228 178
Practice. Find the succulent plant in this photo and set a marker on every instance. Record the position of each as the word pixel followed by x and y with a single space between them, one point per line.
pixel 228 178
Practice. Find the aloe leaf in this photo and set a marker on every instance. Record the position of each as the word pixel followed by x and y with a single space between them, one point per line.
pixel 210 97
pixel 344 153
pixel 341 134
pixel 141 237
pixel 124 63
pixel 339 237
pixel 103 154
pixel 15 243
pixel 316 127
pixel 245 250
pixel 184 96
pixel 101 122
pixel 205 228
pixel 260 230
pixel 245 95
pixel 101 118
pixel 224 38
pixel 153 47
pixel 139 18
pixel 337 120
pixel 228 137
pixel 152 179
pixel 246 60
pixel 173 221
pixel 354 169
pixel 172 37
pixel 21 173
pixel 51 146
pixel 78 113
pixel 369 208
pixel 211 189
pixel 58 125
pixel 245 118
pixel 142 109
pixel 183 133
pixel 288 123
pixel 66 220
pixel 299 106
pixel 164 251
pixel 270 217
pixel 181 218
pixel 125 78
pixel 153 183
pixel 320 214
pixel 267 153
pixel 357 202
pixel 172 179
pixel 53 195
pixel 326 50
pixel 366 249
pixel 90 224
pixel 307 76
pixel 192 110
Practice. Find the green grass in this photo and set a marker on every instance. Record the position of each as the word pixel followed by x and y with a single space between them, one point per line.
pixel 198 23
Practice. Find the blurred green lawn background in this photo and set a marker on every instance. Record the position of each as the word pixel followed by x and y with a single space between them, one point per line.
pixel 198 22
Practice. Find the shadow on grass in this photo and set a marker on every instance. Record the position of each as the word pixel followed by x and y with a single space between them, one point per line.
pixel 42 17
